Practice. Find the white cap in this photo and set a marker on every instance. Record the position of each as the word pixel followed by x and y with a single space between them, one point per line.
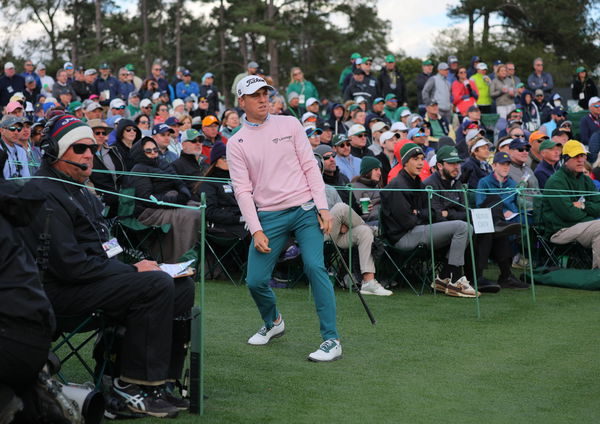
pixel 9 65
pixel 251 84
pixel 307 116
pixel 177 102
pixel 479 143
pixel 505 143
pixel 415 117
pixel 311 100
pixel 117 103
pixel 145 103
pixel 398 126
pixel 92 106
pixel 593 100
pixel 387 135
pixel 481 65
pixel 404 113
pixel 155 95
pixel 356 129
pixel 28 107
pixel 378 126
pixel 360 99
pixel 471 134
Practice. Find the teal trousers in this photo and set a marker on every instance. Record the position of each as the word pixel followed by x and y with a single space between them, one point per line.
pixel 277 226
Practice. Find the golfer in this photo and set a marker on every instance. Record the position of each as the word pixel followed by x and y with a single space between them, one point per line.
pixel 279 189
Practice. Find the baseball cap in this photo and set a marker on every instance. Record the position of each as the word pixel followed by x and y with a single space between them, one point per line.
pixel 9 120
pixel 209 120
pixel 145 103
pixel 309 116
pixel 378 100
pixel 40 66
pixel 390 58
pixel 480 143
pixel 367 58
pixel 442 66
pixel 323 149
pixel 161 128
pixel 190 134
pixel 360 99
pixel 293 95
pixel 471 134
pixel 12 106
pixel 448 154
pixel 473 108
pixel 171 120
pixel 252 64
pixel 580 69
pixel 68 65
pixel 390 96
pixel 593 100
pixel 29 79
pixel 558 111
pixel 379 126
pixel 405 112
pixel 573 148
pixel 481 66
pixel 427 62
pixel 504 143
pixel 93 106
pixel 416 132
pixel 517 143
pixel 117 104
pixel 9 65
pixel 501 157
pixel 130 67
pixel 432 102
pixel 415 118
pixel 251 84
pixel 358 71
pixel 548 144
pixel 310 101
pixel 339 139
pixel 539 92
pixel 398 126
pixel 310 131
pixel 97 123
pixel 452 59
pixel 387 136
pixel 356 129
pixel 537 135
pixel 90 71
pixel 104 66
pixel 73 106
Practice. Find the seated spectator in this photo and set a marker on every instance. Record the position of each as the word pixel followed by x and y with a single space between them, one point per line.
pixel 405 218
pixel 588 173
pixel 191 162
pixel 162 133
pixel 127 133
pixel 477 166
pixel 377 129
pixel 520 172
pixel 161 114
pixel 425 169
pixel 348 165
pixel 550 152
pixel 499 183
pixel 420 137
pixel 387 159
pixel 185 222
pixel 314 136
pixel 16 164
pixel 293 107
pixel 83 277
pixel 589 127
pixel 439 125
pixel 574 217
pixel 366 185
pixel 336 119
pixel 230 123
pixel 535 139
pixel 327 134
pixel 503 144
pixel 531 114
pixel 210 130
pixel 557 117
pixel 143 123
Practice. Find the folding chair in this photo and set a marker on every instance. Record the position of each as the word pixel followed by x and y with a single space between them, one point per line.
pixel 224 249
pixel 73 334
pixel 138 240
pixel 551 255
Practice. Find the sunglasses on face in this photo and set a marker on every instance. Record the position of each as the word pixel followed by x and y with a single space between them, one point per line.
pixel 345 144
pixel 152 150
pixel 144 122
pixel 102 133
pixel 330 156
pixel 524 149
pixel 120 107
pixel 13 129
pixel 129 129
pixel 360 135
pixel 80 148
pixel 596 106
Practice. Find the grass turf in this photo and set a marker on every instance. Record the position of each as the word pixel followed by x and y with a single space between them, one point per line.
pixel 428 359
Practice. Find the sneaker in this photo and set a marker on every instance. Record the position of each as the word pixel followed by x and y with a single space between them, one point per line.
pixel 148 400
pixel 440 284
pixel 275 284
pixel 330 350
pixel 263 335
pixel 513 283
pixel 373 287
pixel 487 286
pixel 291 253
pixel 460 288
pixel 519 262
pixel 179 403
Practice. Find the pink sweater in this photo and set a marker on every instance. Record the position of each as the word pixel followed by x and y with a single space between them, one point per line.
pixel 273 168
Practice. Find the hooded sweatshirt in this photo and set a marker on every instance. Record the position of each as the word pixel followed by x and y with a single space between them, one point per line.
pixel 425 172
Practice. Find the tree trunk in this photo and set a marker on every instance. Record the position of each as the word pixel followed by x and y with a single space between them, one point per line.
pixel 244 49
pixel 224 89
pixel 471 41
pixel 75 39
pixel 485 34
pixel 272 45
pixel 98 4
pixel 146 35
pixel 179 7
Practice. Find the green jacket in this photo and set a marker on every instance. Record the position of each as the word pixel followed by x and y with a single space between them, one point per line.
pixel 390 112
pixel 306 89
pixel 483 86
pixel 347 70
pixel 559 212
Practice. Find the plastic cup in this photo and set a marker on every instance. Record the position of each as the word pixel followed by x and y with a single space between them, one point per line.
pixel 364 204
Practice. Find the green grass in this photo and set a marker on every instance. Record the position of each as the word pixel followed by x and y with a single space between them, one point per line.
pixel 428 359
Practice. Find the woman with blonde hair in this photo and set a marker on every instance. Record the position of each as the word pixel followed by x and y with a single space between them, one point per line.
pixel 304 88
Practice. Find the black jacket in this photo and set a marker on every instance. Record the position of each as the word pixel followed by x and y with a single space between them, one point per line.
pixel 386 166
pixel 189 165
pixel 450 201
pixel 165 189
pixel 77 231
pixel 83 89
pixel 421 80
pixel 122 149
pixel 588 88
pixel 222 209
pixel 211 94
pixel 337 125
pixel 397 207
pixel 108 180
pixel 473 170
pixel 23 302
pixel 360 153
pixel 10 86
pixel 367 89
pixel 387 86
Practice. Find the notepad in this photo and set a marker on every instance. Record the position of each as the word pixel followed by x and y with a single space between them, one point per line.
pixel 182 269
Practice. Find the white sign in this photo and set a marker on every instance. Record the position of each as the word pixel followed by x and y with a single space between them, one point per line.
pixel 482 220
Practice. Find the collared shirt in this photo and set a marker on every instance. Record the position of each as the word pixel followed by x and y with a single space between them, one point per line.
pixel 253 124
pixel 17 163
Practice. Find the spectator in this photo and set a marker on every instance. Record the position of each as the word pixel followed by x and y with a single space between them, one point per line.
pixel 314 136
pixel 377 129
pixel 391 107
pixel 294 109
pixel 83 85
pixel 34 153
pixel 357 134
pixel 425 170
pixel 28 72
pixel 93 111
pixel 554 103
pixel 230 123
pixel 535 139
pixel 125 86
pixel 106 85
pixel 10 83
pixel 276 105
pixel 336 119
pixel 521 172
pixel 475 60
pixel 531 113
pixel 133 104
pixel 453 64
pixel 439 125
pixel 550 152
pixel 421 80
pixel 156 73
pixel 137 81
pixel 82 278
pixel 209 91
pixel 464 92
pixel 348 70
pixel 149 88
pixel 191 163
pixel 162 114
pixel 161 133
pixel 503 91
pixel 405 217
pixel 483 82
pixel 109 162
pixel 437 89
pixel 366 185
pixel 540 80
pixel 16 163
pixel 210 130
pixel 391 81
pixel 477 166
pixel 348 164
pixel 327 134
pixel 589 126
pixel 583 88
pixel 251 69
pixel 574 216
pixel 358 86
pixel 387 159
pixel 557 117
pixel 47 82
pixel 186 87
pixel 499 183
pixel 117 107
pixel 143 123
pixel 304 88
pixel 312 106
pixel 126 134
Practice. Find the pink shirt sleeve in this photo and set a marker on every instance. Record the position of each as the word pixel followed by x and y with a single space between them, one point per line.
pixel 238 170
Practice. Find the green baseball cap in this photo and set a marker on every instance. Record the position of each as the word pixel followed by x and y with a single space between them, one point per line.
pixel 130 67
pixel 548 144
pixel 448 154
pixel 339 139
pixel 352 107
pixel 366 59
pixel 355 56
pixel 104 66
pixel 189 135
pixel 390 58
pixel 73 106
pixel 427 62
pixel 390 96
pixel 580 69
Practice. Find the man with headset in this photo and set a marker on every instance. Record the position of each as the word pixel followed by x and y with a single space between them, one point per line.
pixel 83 275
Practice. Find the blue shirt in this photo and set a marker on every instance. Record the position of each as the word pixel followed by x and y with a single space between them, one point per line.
pixel 349 166
pixel 17 164
pixel 494 187
pixel 184 90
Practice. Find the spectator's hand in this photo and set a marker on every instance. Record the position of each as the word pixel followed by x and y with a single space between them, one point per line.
pixel 261 242
pixel 343 229
pixel 579 205
pixel 507 214
pixel 466 82
pixel 325 221
pixel 146 265
pixel 504 89
pixel 445 214
pixel 414 212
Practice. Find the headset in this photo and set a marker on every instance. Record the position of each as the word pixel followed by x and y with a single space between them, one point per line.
pixel 50 146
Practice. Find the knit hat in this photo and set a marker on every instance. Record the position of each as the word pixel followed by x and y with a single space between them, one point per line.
pixel 410 150
pixel 67 130
pixel 368 163
pixel 218 151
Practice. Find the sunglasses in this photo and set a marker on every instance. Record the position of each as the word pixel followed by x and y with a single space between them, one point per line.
pixel 152 150
pixel 13 129
pixel 524 149
pixel 345 144
pixel 360 135
pixel 596 106
pixel 103 133
pixel 120 107
pixel 146 107
pixel 80 148
pixel 144 122
pixel 327 157
pixel 129 129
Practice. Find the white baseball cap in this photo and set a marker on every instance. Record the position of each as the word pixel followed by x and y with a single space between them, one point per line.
pixel 117 103
pixel 404 113
pixel 481 65
pixel 378 126
pixel 9 65
pixel 145 102
pixel 251 84
pixel 387 135
pixel 311 100
pixel 307 116
pixel 398 126
pixel 593 100
pixel 356 129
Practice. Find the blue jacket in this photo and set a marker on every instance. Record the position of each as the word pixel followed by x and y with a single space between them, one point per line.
pixel 493 186
pixel 184 90
pixel 544 171
pixel 111 84
pixel 473 170
pixel 124 89
pixel 534 83
pixel 588 126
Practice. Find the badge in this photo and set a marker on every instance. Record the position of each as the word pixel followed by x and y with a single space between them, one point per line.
pixel 301 98
pixel 308 205
pixel 227 188
pixel 112 248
